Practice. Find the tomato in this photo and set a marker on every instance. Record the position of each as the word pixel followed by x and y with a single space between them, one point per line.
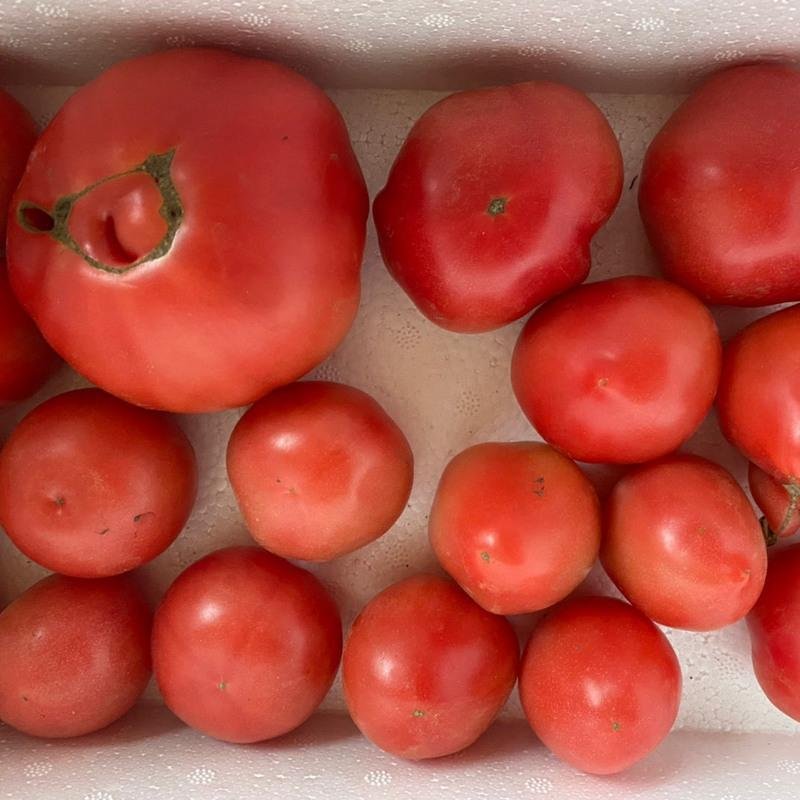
pixel 780 504
pixel 425 669
pixel 319 469
pixel 75 655
pixel 719 186
pixel 189 230
pixel 516 524
pixel 17 137
pixel 759 394
pixel 619 371
pixel 682 543
pixel 91 486
pixel 493 200
pixel 774 625
pixel 599 683
pixel 245 645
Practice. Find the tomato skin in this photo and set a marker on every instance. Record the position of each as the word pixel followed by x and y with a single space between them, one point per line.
pixel 17 137
pixel 245 645
pixel 481 222
pixel 76 655
pixel 774 625
pixel 682 543
pixel 319 469
pixel 426 669
pixel 719 184
pixel 780 508
pixel 516 524
pixel 261 280
pixel 91 486
pixel 618 372
pixel 599 683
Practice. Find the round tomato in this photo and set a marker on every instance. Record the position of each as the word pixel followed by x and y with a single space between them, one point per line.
pixel 425 669
pixel 682 543
pixel 75 655
pixel 92 486
pixel 620 371
pixel 719 187
pixel 319 469
pixel 599 683
pixel 493 200
pixel 516 524
pixel 780 504
pixel 245 645
pixel 774 625
pixel 189 230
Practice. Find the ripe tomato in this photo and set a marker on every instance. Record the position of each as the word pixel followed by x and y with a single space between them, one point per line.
pixel 599 683
pixel 189 230
pixel 516 524
pixel 493 200
pixel 425 669
pixel 620 371
pixel 774 625
pixel 779 503
pixel 719 187
pixel 319 469
pixel 245 645
pixel 75 655
pixel 17 137
pixel 91 486
pixel 682 543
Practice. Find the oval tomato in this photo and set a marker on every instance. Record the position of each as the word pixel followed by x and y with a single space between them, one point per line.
pixel 682 543
pixel 719 187
pixel 75 655
pixel 780 504
pixel 599 683
pixel 319 469
pixel 245 645
pixel 188 233
pixel 774 625
pixel 493 200
pixel 516 524
pixel 620 371
pixel 92 486
pixel 425 669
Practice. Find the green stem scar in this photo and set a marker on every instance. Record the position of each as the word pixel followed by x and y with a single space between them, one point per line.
pixel 35 219
pixel 497 205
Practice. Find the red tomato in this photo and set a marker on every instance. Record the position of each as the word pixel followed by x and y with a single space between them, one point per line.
pixel 493 200
pixel 425 669
pixel 319 469
pixel 91 486
pixel 720 185
pixel 774 625
pixel 245 645
pixel 17 137
pixel 189 230
pixel 619 372
pixel 599 683
pixel 682 543
pixel 516 524
pixel 780 504
pixel 75 655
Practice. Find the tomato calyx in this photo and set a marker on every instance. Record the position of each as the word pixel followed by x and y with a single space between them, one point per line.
pixel 56 223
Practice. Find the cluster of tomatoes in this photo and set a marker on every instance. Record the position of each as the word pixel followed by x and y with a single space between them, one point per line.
pixel 199 248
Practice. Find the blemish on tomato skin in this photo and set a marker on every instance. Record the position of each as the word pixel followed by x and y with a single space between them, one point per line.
pixel 485 556
pixel 615 726
pixel 417 713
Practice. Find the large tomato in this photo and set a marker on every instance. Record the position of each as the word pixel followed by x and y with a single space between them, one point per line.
pixel 74 655
pixel 493 200
pixel 599 683
pixel 189 230
pixel 774 625
pixel 319 469
pixel 425 669
pixel 780 504
pixel 245 645
pixel 93 486
pixel 620 371
pixel 682 543
pixel 516 524
pixel 720 188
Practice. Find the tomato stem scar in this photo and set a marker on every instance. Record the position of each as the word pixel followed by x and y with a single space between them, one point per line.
pixel 497 205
